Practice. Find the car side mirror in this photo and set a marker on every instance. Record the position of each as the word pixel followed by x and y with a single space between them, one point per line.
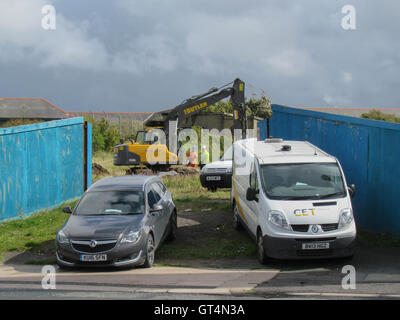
pixel 67 209
pixel 352 190
pixel 156 208
pixel 251 194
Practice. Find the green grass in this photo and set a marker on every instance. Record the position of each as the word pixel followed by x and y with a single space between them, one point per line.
pixel 223 244
pixel 33 232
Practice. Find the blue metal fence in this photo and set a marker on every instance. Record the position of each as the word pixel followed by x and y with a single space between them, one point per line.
pixel 368 150
pixel 41 166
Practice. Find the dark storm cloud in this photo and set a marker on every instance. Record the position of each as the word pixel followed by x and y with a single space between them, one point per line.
pixel 149 55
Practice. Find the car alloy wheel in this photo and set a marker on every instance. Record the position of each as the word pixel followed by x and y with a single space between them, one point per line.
pixel 150 251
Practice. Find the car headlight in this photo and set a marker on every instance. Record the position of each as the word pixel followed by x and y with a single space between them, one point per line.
pixel 278 219
pixel 61 237
pixel 204 170
pixel 346 217
pixel 229 169
pixel 131 237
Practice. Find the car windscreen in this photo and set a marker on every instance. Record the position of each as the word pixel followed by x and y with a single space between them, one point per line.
pixel 111 203
pixel 301 181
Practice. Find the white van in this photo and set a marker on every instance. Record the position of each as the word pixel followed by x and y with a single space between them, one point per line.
pixel 293 199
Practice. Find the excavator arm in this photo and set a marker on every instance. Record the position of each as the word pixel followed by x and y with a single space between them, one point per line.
pixel 197 103
pixel 135 153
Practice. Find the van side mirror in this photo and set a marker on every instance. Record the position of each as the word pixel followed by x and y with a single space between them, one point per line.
pixel 67 210
pixel 352 190
pixel 251 194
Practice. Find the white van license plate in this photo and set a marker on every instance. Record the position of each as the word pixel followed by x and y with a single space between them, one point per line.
pixel 315 246
pixel 213 178
pixel 94 257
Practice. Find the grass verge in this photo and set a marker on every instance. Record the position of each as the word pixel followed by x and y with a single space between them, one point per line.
pixel 32 233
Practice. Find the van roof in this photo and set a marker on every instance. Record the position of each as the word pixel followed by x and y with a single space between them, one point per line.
pixel 285 151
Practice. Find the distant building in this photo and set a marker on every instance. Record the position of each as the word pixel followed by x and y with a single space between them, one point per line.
pixel 205 120
pixel 29 108
pixel 113 117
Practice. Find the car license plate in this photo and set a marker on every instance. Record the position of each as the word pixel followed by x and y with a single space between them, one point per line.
pixel 213 178
pixel 94 257
pixel 315 245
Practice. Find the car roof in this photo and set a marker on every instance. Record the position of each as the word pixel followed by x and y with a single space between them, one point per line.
pixel 272 151
pixel 123 183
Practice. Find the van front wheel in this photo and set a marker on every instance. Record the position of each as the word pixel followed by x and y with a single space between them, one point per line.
pixel 262 257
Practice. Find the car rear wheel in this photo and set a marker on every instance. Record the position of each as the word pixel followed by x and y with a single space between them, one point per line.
pixel 150 252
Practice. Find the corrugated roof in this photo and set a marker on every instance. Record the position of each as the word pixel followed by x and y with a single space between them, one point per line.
pixel 34 108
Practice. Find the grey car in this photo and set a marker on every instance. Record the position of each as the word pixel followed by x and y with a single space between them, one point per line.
pixel 119 221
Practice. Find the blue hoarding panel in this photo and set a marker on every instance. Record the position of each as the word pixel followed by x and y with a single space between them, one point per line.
pixel 368 150
pixel 41 166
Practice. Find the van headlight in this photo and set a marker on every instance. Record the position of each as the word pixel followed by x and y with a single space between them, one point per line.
pixel 61 237
pixel 278 219
pixel 131 237
pixel 345 218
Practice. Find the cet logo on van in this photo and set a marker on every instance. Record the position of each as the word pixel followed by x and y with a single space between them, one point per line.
pixel 303 212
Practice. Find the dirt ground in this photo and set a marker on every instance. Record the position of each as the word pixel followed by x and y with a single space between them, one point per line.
pixel 196 228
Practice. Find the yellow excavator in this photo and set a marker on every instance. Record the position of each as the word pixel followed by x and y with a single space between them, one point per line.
pixel 158 154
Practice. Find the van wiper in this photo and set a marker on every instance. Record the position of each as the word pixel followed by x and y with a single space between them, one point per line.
pixel 295 198
pixel 325 196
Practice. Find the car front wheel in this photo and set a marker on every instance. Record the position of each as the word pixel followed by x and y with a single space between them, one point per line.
pixel 150 252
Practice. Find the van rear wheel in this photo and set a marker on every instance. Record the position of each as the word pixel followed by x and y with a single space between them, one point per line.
pixel 261 255
pixel 236 220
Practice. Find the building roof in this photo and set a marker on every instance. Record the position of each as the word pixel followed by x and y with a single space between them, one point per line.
pixel 33 108
pixel 140 116
pixel 352 111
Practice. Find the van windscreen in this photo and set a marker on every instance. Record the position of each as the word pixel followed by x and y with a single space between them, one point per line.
pixel 302 181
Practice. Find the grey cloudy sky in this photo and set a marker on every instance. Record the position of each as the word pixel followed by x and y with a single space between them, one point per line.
pixel 130 55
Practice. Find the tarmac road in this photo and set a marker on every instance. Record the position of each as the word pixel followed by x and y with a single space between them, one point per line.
pixel 377 277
